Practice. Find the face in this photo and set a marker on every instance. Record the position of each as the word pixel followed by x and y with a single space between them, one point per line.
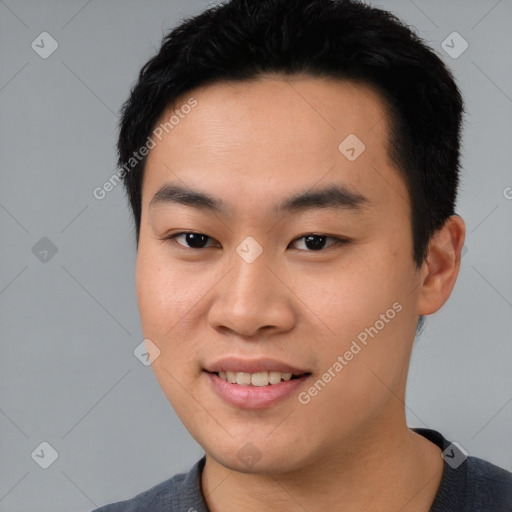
pixel 273 242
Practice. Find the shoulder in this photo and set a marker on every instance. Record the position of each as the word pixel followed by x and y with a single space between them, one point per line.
pixel 472 484
pixel 164 493
pixel 180 492
pixel 475 486
pixel 487 484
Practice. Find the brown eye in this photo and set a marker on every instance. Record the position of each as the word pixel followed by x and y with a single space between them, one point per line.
pixel 191 240
pixel 318 242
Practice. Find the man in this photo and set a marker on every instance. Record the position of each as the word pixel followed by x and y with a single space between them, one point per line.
pixel 292 168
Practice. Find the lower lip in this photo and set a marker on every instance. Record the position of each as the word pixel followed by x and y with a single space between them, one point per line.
pixel 255 397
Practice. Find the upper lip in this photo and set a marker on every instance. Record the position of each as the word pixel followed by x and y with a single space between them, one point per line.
pixel 235 364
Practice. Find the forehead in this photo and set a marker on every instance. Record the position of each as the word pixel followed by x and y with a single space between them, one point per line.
pixel 256 141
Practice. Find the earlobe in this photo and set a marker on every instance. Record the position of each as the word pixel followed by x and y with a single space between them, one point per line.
pixel 441 267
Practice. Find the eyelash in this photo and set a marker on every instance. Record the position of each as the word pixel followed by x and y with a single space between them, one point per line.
pixel 338 241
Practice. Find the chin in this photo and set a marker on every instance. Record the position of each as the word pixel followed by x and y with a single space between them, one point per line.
pixel 257 458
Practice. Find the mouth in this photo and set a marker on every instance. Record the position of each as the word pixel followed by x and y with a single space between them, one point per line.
pixel 256 390
pixel 255 383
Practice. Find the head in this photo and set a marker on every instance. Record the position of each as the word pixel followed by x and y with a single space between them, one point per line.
pixel 312 149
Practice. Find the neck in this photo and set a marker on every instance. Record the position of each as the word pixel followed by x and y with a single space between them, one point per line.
pixel 382 469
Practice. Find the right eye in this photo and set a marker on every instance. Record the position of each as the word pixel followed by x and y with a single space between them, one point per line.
pixel 191 240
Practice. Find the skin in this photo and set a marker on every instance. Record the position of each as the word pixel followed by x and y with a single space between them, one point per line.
pixel 253 144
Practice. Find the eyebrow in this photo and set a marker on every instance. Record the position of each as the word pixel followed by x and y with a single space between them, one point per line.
pixel 336 197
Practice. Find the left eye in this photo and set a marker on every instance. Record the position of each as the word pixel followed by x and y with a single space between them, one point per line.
pixel 317 242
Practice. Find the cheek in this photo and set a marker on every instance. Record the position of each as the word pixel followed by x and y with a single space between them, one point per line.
pixel 153 292
pixel 164 291
pixel 348 299
pixel 164 297
pixel 364 313
pixel 172 298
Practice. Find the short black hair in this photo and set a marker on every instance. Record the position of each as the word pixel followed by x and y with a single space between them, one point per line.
pixel 344 39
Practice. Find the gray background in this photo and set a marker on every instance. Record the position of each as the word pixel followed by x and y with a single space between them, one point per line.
pixel 69 324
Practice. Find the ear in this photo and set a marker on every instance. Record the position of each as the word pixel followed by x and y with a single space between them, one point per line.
pixel 441 266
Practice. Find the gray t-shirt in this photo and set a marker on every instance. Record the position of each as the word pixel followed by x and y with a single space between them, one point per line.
pixel 473 486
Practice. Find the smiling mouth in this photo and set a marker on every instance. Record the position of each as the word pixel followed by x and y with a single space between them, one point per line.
pixel 258 379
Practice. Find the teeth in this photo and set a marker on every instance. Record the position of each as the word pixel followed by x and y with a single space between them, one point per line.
pixel 243 378
pixel 254 379
pixel 275 377
pixel 259 379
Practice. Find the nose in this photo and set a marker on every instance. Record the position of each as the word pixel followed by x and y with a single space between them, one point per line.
pixel 252 301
